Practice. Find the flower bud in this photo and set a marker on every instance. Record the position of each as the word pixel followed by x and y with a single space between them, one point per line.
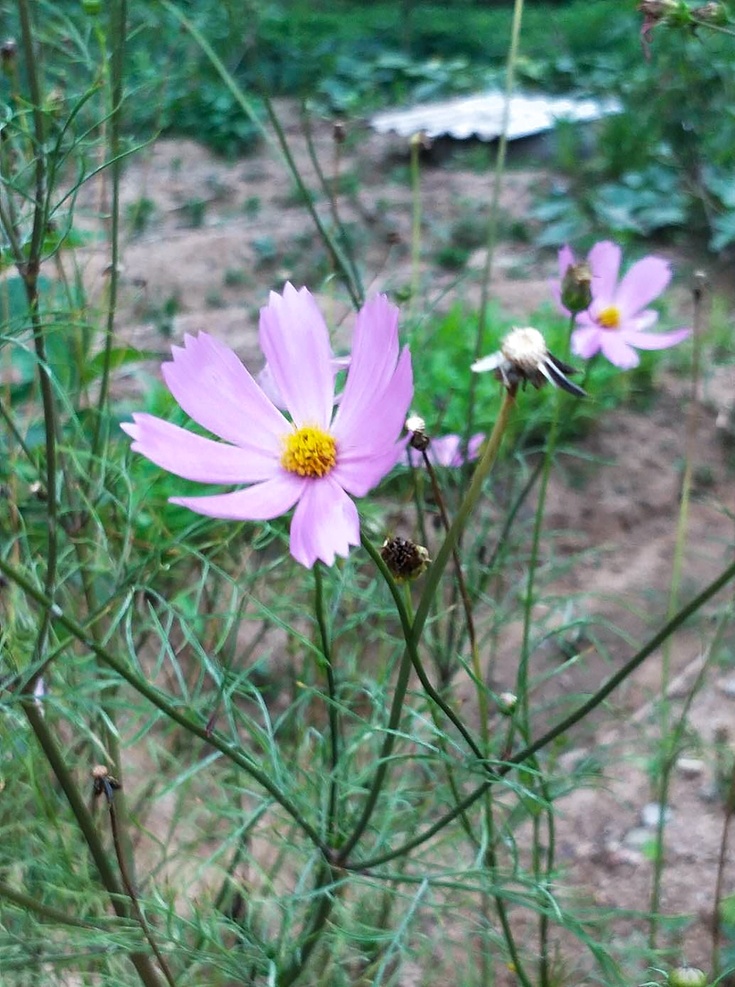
pixel 417 427
pixel 92 7
pixel 711 13
pixel 576 288
pixel 507 702
pixel 405 560
pixel 687 976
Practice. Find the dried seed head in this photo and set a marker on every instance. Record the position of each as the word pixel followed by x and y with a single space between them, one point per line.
pixel 525 349
pixel 405 560
pixel 339 132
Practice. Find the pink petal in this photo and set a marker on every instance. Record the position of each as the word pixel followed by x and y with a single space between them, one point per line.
pixel 618 351
pixel 640 322
pixel 604 261
pixel 195 458
pixel 260 502
pixel 295 341
pixel 374 356
pixel 214 388
pixel 266 383
pixel 325 523
pixel 644 281
pixel 358 473
pixel 369 422
pixel 655 340
pixel 586 341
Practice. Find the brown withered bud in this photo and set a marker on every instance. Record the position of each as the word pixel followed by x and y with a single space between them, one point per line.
pixel 405 559
pixel 103 782
pixel 576 288
pixel 339 132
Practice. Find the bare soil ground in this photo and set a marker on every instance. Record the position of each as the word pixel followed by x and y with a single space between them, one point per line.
pixel 206 239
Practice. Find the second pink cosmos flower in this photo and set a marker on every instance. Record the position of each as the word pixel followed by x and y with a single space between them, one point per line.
pixel 618 318
pixel 316 459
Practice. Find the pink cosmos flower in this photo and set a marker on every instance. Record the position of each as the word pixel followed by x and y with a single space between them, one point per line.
pixel 617 319
pixel 319 457
pixel 446 451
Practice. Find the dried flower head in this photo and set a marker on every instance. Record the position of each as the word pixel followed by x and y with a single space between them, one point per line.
pixel 405 559
pixel 8 50
pixel 524 358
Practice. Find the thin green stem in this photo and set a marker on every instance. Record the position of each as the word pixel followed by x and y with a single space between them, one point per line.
pixel 118 33
pixel 172 711
pixel 415 151
pixel 109 880
pixel 332 709
pixel 29 265
pixel 474 491
pixel 492 228
pixel 667 745
pixel 314 929
pixel 583 710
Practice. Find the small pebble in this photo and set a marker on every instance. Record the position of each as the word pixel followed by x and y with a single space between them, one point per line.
pixel 637 838
pixel 690 767
pixel 727 687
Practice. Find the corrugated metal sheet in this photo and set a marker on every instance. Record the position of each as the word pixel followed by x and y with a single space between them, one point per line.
pixel 482 116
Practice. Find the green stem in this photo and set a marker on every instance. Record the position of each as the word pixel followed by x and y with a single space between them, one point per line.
pixel 38 724
pixel 668 742
pixel 415 149
pixel 313 932
pixel 332 711
pixel 29 267
pixel 492 228
pixel 172 711
pixel 118 32
pixel 583 710
pixel 436 570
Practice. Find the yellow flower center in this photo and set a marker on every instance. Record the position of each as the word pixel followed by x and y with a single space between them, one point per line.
pixel 609 318
pixel 309 452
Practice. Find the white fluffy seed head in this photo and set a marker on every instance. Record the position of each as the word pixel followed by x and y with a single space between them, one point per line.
pixel 525 348
pixel 415 424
